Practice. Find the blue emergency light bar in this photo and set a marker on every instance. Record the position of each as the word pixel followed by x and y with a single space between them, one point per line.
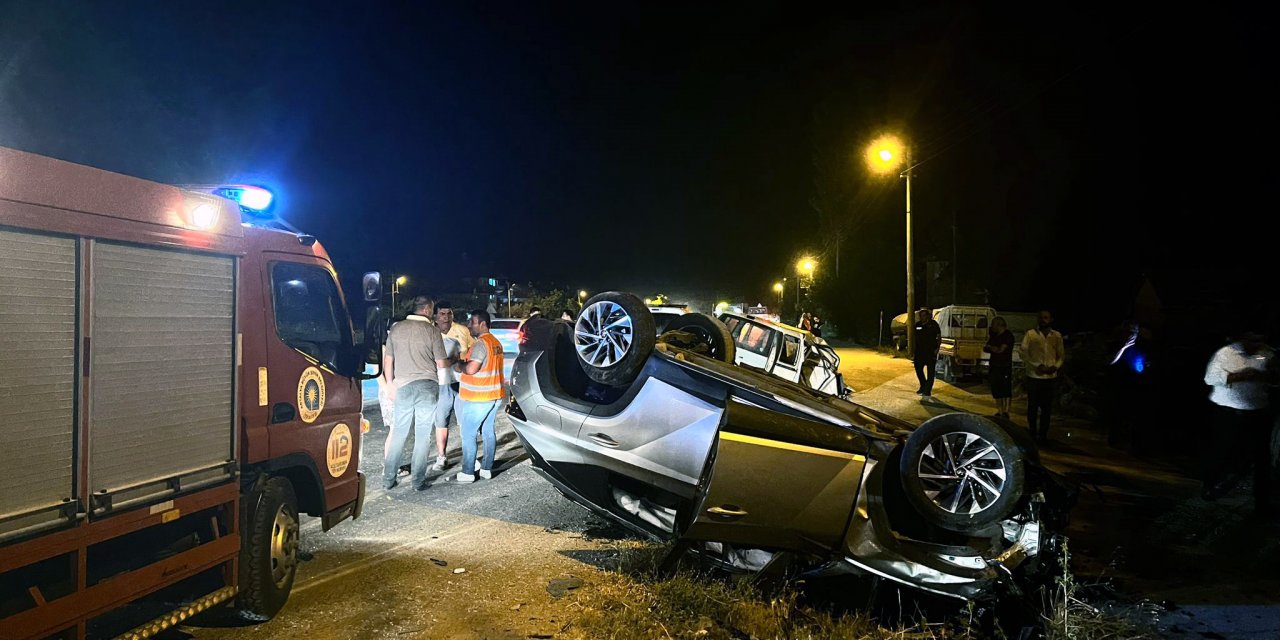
pixel 254 201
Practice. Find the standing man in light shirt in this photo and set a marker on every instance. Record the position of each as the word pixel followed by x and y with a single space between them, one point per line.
pixel 479 394
pixel 1042 354
pixel 415 354
pixel 1240 375
pixel 457 340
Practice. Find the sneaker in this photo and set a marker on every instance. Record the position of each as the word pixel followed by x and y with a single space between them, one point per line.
pixel 477 464
pixel 464 478
pixel 390 485
pixel 439 464
pixel 421 486
pixel 486 474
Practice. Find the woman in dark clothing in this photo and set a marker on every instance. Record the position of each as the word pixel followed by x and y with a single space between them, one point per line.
pixel 1000 367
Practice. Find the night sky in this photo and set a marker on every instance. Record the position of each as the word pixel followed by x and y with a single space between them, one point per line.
pixel 687 149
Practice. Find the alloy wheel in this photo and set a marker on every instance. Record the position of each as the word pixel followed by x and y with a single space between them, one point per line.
pixel 962 472
pixel 603 334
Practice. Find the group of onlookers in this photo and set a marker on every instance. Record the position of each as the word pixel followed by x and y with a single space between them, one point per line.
pixel 434 369
pixel 1242 376
pixel 1042 350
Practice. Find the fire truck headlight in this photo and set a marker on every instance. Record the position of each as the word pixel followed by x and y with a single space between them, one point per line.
pixel 204 216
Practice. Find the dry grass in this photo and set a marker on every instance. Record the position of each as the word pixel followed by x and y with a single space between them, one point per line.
pixel 632 602
pixel 1069 617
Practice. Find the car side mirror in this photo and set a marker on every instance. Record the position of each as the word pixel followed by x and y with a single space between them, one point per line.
pixel 372 286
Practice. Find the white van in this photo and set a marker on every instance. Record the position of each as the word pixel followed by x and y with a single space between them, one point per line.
pixel 787 352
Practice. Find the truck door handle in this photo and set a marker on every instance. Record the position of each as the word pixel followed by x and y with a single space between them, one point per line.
pixel 282 412
pixel 603 440
pixel 727 511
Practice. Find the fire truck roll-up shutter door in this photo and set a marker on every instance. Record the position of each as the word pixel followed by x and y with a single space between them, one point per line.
pixel 37 379
pixel 161 370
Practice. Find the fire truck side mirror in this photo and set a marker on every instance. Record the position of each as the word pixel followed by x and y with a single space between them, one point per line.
pixel 375 333
pixel 372 287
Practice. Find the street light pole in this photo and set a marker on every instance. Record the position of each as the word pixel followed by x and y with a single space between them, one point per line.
pixel 395 288
pixel 883 156
pixel 911 285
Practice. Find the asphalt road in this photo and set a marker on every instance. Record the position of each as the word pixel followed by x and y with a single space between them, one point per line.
pixel 382 576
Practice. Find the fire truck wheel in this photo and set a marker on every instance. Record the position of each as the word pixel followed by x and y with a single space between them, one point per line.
pixel 269 554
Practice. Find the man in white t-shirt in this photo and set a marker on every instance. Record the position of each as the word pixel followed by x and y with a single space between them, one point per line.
pixel 457 340
pixel 1241 374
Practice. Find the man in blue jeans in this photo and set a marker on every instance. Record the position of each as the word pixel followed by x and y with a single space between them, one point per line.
pixel 479 394
pixel 415 353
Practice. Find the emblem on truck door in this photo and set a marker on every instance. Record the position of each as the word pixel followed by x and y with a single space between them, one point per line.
pixel 310 394
pixel 338 453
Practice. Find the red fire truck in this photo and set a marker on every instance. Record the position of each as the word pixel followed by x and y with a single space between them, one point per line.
pixel 177 383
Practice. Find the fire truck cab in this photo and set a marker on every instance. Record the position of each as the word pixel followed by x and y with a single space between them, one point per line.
pixel 177 385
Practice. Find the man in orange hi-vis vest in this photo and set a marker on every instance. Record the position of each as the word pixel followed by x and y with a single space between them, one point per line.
pixel 479 393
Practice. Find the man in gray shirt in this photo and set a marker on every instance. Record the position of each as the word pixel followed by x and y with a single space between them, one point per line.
pixel 415 352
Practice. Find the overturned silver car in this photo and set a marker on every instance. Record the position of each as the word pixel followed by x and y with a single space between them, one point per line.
pixel 752 471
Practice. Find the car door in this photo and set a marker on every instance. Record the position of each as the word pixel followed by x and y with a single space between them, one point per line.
pixel 661 438
pixel 312 407
pixel 778 481
pixel 787 364
pixel 755 345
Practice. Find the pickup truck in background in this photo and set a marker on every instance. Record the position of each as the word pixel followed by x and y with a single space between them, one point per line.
pixel 964 332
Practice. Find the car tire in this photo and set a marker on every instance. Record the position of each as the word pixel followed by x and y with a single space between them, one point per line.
pixel 962 472
pixel 269 552
pixel 710 331
pixel 614 335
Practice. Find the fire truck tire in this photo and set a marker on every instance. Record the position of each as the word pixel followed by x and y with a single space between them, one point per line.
pixel 269 551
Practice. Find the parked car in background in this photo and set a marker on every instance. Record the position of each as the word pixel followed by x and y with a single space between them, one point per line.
pixel 507 331
pixel 754 473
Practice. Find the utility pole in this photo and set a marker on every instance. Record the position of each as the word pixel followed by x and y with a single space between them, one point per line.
pixel 911 285
pixel 955 266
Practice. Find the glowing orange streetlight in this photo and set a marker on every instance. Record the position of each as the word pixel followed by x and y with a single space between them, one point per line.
pixel 885 156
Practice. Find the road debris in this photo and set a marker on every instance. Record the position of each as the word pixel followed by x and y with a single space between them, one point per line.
pixel 558 587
